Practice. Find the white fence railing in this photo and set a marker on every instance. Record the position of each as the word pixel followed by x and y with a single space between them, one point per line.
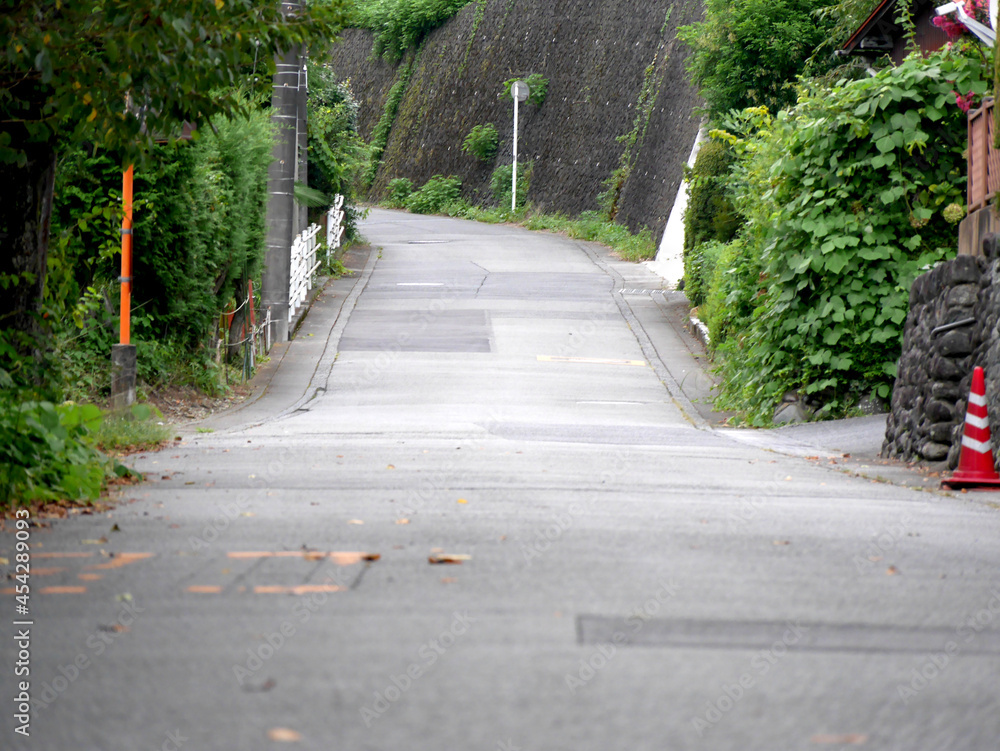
pixel 304 265
pixel 335 226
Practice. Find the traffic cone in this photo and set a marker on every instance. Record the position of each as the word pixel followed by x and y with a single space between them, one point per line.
pixel 975 465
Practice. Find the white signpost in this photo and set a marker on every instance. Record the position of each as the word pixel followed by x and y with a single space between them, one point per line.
pixel 519 92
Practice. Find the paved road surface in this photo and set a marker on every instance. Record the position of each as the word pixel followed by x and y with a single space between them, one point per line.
pixel 623 576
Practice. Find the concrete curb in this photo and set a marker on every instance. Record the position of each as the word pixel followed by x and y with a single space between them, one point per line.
pixel 680 399
pixel 700 330
pixel 329 358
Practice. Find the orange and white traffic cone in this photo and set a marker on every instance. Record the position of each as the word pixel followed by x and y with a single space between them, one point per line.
pixel 975 465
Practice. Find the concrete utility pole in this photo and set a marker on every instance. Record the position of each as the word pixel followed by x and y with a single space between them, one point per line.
pixel 281 185
pixel 302 141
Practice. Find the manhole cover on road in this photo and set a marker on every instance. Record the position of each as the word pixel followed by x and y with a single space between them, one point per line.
pixel 783 635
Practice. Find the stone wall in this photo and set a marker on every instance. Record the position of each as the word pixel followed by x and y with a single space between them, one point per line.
pixel 597 57
pixel 935 370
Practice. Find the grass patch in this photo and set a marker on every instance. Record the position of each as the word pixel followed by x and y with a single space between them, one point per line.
pixel 141 428
pixel 588 226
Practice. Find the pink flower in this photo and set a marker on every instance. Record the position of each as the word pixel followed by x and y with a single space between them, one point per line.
pixel 952 28
pixel 964 102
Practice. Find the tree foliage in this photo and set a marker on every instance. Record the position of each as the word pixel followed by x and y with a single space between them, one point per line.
pixel 338 155
pixel 120 72
pixel 118 75
pixel 748 53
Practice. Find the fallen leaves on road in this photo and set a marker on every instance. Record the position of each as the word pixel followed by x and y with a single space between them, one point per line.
pixel 891 571
pixel 115 628
pixel 370 556
pixel 284 735
pixel 99 541
pixel 782 542
pixel 454 558
pixel 391 466
pixel 448 580
pixel 462 500
pixel 354 521
pixel 402 521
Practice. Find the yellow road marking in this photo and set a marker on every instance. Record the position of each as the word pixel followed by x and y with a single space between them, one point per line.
pixel 122 559
pixel 205 589
pixel 591 360
pixel 340 557
pixel 62 555
pixel 301 589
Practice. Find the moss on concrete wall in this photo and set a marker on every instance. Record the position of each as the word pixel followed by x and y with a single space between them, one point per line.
pixel 596 56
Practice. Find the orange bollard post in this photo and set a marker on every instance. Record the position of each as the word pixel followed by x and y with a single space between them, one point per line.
pixel 126 278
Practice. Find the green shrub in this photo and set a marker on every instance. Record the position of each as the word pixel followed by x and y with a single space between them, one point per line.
pixel 436 194
pixel 338 155
pixel 699 270
pixel 400 25
pixel 710 214
pixel 140 428
pixel 732 291
pixel 199 235
pixel 538 88
pixel 709 218
pixel 845 197
pixel 482 142
pixel 748 53
pixel 399 191
pixel 46 450
pixel 502 180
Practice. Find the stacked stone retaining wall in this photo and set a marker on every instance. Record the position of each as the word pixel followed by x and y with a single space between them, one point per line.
pixel 950 329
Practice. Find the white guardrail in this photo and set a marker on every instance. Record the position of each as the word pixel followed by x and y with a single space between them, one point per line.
pixel 304 263
pixel 335 226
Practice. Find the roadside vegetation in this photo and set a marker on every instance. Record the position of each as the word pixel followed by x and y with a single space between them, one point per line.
pixel 441 195
pixel 199 210
pixel 401 25
pixel 821 195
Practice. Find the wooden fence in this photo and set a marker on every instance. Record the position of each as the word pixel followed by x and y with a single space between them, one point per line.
pixel 984 158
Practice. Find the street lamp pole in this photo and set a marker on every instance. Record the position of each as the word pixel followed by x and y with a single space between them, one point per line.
pixel 519 93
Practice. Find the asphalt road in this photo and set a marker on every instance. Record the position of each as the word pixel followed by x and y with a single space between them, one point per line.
pixel 614 573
